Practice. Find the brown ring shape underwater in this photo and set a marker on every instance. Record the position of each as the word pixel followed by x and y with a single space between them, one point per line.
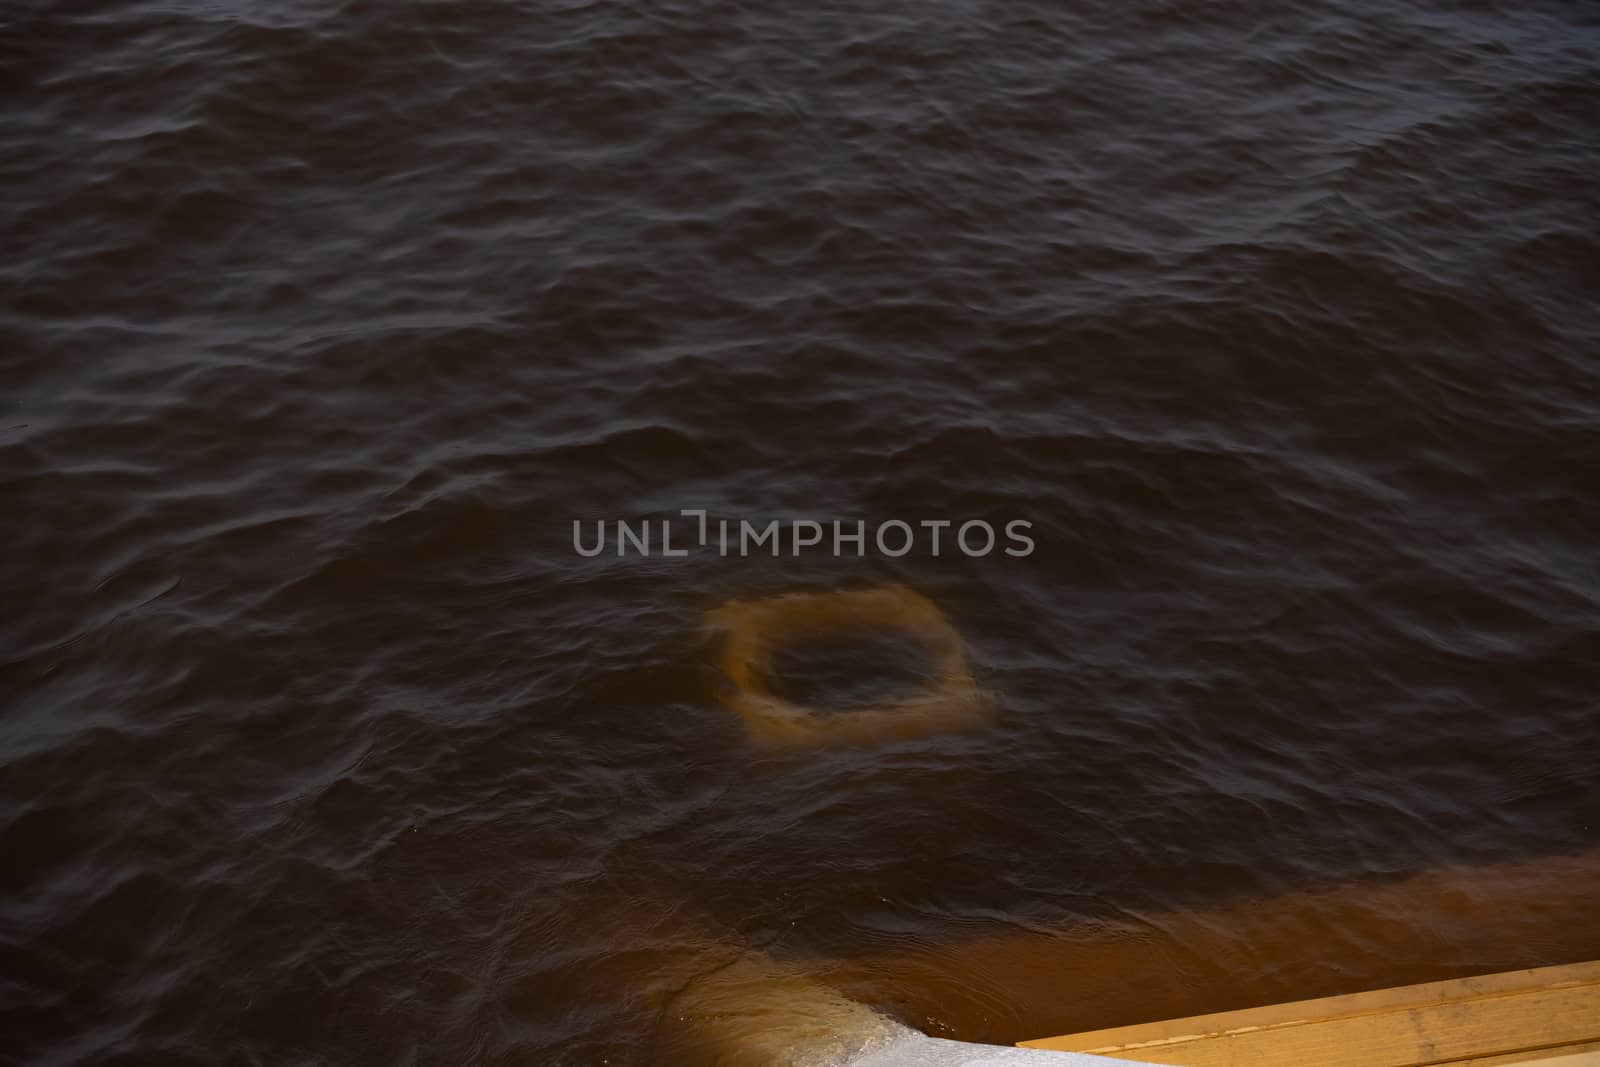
pixel 950 701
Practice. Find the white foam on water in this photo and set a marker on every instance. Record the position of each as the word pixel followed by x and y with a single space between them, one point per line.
pixel 913 1049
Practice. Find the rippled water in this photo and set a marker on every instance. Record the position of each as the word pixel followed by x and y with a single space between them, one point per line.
pixel 321 323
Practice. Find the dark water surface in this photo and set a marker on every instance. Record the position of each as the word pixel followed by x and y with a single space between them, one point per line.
pixel 321 322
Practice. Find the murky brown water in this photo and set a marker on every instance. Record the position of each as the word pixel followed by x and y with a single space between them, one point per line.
pixel 320 323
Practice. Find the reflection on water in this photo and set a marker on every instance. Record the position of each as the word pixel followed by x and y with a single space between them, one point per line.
pixel 320 322
pixel 1011 983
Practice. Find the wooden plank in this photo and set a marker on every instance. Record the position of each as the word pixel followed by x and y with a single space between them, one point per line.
pixel 1515 1014
pixel 1590 1058
pixel 1586 1054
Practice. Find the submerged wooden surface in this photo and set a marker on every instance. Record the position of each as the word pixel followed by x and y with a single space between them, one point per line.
pixel 1433 926
pixel 1546 1014
pixel 724 1003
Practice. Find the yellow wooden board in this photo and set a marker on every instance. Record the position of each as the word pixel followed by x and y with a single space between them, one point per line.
pixel 1513 1017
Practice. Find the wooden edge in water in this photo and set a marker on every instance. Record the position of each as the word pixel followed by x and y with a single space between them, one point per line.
pixel 1543 1014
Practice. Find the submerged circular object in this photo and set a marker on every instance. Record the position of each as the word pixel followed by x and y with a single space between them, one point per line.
pixel 947 701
